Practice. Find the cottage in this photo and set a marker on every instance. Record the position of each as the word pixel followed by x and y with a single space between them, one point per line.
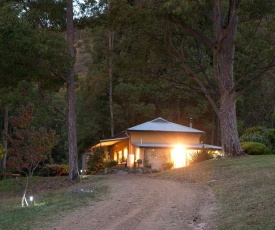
pixel 153 144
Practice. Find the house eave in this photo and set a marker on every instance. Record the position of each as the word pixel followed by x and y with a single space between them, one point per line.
pixel 168 145
pixel 108 142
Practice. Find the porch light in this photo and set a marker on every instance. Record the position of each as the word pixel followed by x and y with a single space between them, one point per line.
pixel 178 155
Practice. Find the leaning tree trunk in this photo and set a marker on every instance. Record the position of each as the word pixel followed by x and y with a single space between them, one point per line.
pixel 71 117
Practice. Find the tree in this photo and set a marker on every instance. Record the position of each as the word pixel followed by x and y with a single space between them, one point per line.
pixel 38 53
pixel 32 54
pixel 71 117
pixel 5 143
pixel 215 46
pixel 28 147
pixel 139 94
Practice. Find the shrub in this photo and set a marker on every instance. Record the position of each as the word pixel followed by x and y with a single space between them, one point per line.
pixel 111 164
pixel 167 165
pixel 255 137
pixel 54 170
pixel 262 135
pixel 200 156
pixel 254 129
pixel 271 136
pixel 97 161
pixel 4 173
pixel 254 148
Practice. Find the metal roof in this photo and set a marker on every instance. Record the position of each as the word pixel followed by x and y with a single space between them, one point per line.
pixel 162 125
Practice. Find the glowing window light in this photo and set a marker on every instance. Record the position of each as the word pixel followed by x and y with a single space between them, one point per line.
pixel 178 155
pixel 125 153
pixel 138 153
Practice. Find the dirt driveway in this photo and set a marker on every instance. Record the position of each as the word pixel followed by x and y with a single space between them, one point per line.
pixel 145 203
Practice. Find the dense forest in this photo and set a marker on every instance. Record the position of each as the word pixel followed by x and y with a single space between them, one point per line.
pixel 133 61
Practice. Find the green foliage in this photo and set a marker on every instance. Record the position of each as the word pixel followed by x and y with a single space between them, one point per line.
pixel 271 136
pixel 111 164
pixel 167 165
pixel 97 160
pixel 2 151
pixel 255 148
pixel 200 156
pixel 255 137
pixel 54 170
pixel 29 53
pixel 254 129
pixel 260 134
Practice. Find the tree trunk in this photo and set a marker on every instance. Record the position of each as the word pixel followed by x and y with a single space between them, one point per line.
pixel 223 64
pixel 5 141
pixel 111 45
pixel 228 126
pixel 71 117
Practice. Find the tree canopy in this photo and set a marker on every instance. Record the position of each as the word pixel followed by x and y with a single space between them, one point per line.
pixel 212 61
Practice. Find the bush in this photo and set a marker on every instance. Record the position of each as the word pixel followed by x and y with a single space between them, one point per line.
pixel 97 161
pixel 255 137
pixel 111 164
pixel 262 135
pixel 167 165
pixel 4 173
pixel 54 170
pixel 200 156
pixel 255 129
pixel 271 137
pixel 255 148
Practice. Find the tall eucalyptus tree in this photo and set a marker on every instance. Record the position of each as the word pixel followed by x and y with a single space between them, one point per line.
pixel 219 47
pixel 71 117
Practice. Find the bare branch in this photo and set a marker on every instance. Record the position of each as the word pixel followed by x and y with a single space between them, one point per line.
pixel 258 77
pixel 213 87
pixel 192 31
pixel 181 55
pixel 202 87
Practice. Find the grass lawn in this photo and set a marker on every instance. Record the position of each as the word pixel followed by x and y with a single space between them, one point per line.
pixel 244 188
pixel 54 198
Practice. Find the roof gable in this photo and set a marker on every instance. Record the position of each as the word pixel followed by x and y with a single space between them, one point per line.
pixel 162 125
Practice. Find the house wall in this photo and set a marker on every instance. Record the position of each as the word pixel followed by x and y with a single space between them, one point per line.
pixel 119 150
pixel 164 137
pixel 155 158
